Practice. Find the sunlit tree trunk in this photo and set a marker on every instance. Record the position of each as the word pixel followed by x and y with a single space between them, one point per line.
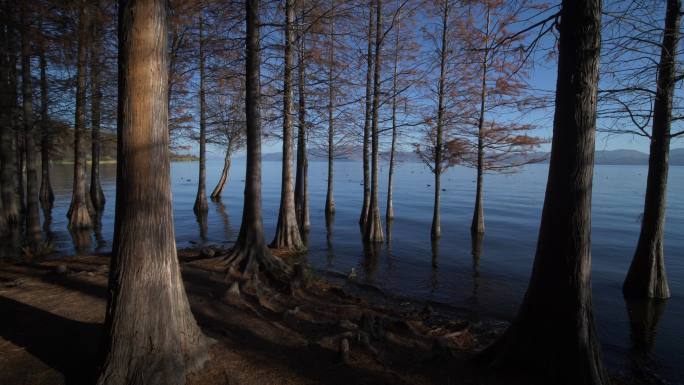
pixel 79 211
pixel 329 199
pixel 96 195
pixel 389 213
pixel 151 335
pixel 32 221
pixel 47 196
pixel 553 338
pixel 216 194
pixel 302 175
pixel 287 234
pixel 373 226
pixel 436 230
pixel 647 277
pixel 367 119
pixel 201 206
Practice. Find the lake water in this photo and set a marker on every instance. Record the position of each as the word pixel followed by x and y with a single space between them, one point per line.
pixel 411 266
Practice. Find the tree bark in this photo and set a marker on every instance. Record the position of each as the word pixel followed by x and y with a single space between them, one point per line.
pixel 389 213
pixel 287 234
pixel 216 194
pixel 436 230
pixel 302 175
pixel 477 225
pixel 553 338
pixel 367 120
pixel 647 277
pixel 8 144
pixel 79 211
pixel 47 196
pixel 96 195
pixel 33 235
pixel 329 199
pixel 249 255
pixel 373 226
pixel 201 206
pixel 151 334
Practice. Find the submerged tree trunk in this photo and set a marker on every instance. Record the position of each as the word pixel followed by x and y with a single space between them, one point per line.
pixel 79 211
pixel 647 277
pixel 216 194
pixel 287 234
pixel 8 100
pixel 373 227
pixel 389 213
pixel 367 120
pixel 301 179
pixel 151 335
pixel 553 338
pixel 33 235
pixel 96 195
pixel 329 200
pixel 436 230
pixel 201 206
pixel 47 196
pixel 249 254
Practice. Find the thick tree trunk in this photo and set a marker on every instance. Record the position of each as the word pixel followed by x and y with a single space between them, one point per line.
pixel 8 99
pixel 96 195
pixel 33 235
pixel 373 227
pixel 151 334
pixel 249 254
pixel 647 277
pixel 553 338
pixel 436 229
pixel 301 179
pixel 79 211
pixel 287 234
pixel 47 196
pixel 329 199
pixel 477 225
pixel 389 213
pixel 201 206
pixel 216 194
pixel 367 120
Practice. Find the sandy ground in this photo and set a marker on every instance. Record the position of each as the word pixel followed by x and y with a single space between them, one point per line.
pixel 51 316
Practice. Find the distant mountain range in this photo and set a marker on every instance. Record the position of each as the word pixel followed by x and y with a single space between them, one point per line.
pixel 603 157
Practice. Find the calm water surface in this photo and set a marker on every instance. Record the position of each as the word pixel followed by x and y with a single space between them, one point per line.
pixel 491 285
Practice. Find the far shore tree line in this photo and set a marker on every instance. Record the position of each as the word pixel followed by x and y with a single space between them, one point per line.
pixel 358 71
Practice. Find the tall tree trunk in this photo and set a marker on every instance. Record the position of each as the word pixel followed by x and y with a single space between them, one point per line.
pixel 301 179
pixel 329 200
pixel 477 225
pixel 287 234
pixel 201 206
pixel 216 194
pixel 151 335
pixel 436 230
pixel 373 227
pixel 96 195
pixel 33 235
pixel 249 254
pixel 647 277
pixel 367 119
pixel 47 196
pixel 553 338
pixel 389 213
pixel 79 211
pixel 8 100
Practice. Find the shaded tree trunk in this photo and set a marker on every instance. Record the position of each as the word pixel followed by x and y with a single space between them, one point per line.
pixel 553 338
pixel 302 175
pixel 367 120
pixel 477 225
pixel 96 195
pixel 373 226
pixel 329 199
pixel 79 211
pixel 249 255
pixel 389 213
pixel 33 235
pixel 201 205
pixel 647 277
pixel 47 196
pixel 216 194
pixel 162 344
pixel 8 104
pixel 287 234
pixel 436 229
